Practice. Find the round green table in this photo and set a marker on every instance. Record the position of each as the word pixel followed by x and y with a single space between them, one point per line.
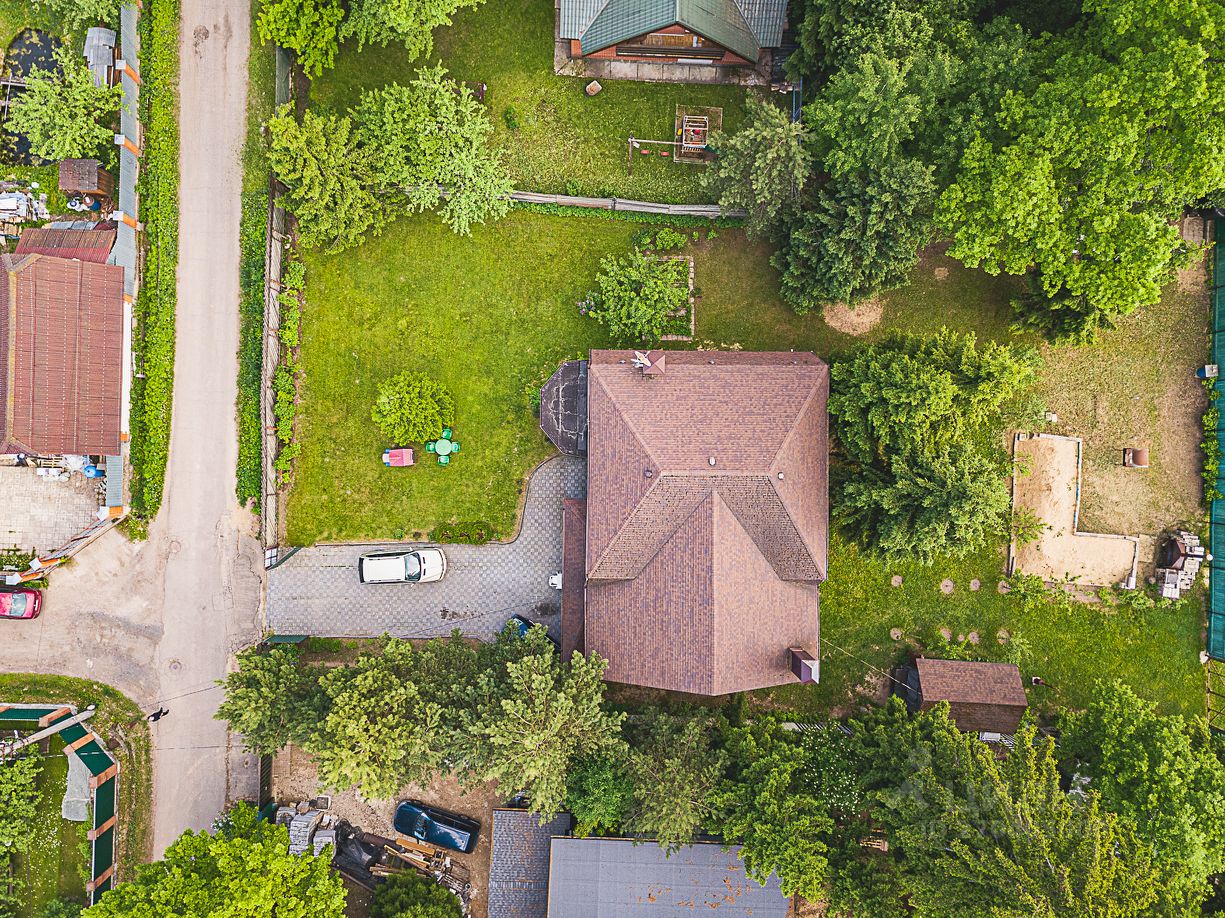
pixel 442 447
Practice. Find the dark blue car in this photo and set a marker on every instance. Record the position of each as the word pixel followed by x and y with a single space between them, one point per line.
pixel 436 827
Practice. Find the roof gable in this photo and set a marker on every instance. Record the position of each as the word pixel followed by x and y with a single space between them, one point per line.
pixel 721 21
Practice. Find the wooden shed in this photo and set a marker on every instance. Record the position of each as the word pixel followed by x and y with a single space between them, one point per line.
pixel 984 698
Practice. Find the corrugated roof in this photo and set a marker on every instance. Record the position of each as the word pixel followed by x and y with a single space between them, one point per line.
pixel 61 325
pixel 519 863
pixel 981 696
pixel 701 575
pixel 742 26
pixel 93 245
pixel 615 878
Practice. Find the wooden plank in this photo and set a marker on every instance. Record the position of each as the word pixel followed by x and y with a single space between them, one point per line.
pixel 102 829
pixel 99 780
pixel 100 879
pixel 46 719
pixel 77 744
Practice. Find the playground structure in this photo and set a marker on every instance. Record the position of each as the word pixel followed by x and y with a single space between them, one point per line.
pixel 690 142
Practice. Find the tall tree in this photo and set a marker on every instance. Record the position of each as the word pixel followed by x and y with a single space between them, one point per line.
pixel 241 870
pixel 411 895
pixel 410 23
pixel 543 716
pixel 62 113
pixel 1165 774
pixel 676 766
pixel 600 791
pixel 384 725
pixel 762 167
pixel 430 139
pixel 1092 167
pixel 79 15
pixel 329 177
pixel 272 699
pixel 975 834
pixel 765 805
pixel 309 28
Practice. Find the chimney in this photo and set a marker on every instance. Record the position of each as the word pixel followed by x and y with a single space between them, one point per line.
pixel 655 365
pixel 804 667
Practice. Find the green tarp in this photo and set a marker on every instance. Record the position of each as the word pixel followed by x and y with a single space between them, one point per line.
pixel 1216 533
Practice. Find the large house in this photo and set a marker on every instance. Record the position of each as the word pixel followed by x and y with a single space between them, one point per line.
pixel 61 329
pixel 695 561
pixel 700 32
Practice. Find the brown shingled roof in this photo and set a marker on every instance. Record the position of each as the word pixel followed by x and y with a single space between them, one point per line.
pixel 61 324
pixel 700 576
pixel 982 696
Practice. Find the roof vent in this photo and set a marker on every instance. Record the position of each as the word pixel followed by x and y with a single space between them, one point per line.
pixel 647 473
pixel 780 476
pixel 711 460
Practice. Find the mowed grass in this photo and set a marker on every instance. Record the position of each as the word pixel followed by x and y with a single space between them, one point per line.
pixel 554 137
pixel 492 315
pixel 59 850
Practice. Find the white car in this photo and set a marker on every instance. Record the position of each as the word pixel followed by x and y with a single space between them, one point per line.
pixel 421 565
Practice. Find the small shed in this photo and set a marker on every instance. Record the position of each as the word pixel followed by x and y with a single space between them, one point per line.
pixel 563 408
pixel 85 176
pixel 100 55
pixel 984 698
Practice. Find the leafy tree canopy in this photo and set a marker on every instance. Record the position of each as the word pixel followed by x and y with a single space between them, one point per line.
pixel 762 167
pixel 1163 773
pixel 410 895
pixel 412 407
pixel 600 792
pixel 410 23
pixel 309 28
pixel 62 113
pixel 241 870
pixel 79 15
pixel 636 293
pixel 271 699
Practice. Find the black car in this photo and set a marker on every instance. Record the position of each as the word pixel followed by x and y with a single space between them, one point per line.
pixel 437 827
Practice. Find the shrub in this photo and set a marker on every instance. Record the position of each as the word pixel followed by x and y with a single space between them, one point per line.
pixel 412 408
pixel 476 533
pixel 62 112
pixel 636 294
pixel 511 117
pixel 250 345
pixel 667 239
pixel 408 895
pixel 1210 448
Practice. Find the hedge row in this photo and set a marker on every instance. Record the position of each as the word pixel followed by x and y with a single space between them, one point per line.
pixel 285 380
pixel 153 387
pixel 252 242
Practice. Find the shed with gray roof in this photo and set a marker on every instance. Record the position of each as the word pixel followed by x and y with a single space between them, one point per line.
pixel 519 863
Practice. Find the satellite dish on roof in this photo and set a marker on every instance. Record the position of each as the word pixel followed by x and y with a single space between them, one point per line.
pixel 641 360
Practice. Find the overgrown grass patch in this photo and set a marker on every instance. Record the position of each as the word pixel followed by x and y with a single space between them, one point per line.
pixel 153 342
pixel 252 268
pixel 556 139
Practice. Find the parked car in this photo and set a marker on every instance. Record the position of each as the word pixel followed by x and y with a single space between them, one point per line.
pixel 421 565
pixel 436 827
pixel 524 625
pixel 20 602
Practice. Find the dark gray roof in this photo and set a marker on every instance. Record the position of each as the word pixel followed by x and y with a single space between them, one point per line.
pixel 614 878
pixel 563 408
pixel 743 26
pixel 519 863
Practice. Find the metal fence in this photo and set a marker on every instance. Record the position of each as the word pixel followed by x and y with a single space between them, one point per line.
pixel 1216 533
pixel 84 744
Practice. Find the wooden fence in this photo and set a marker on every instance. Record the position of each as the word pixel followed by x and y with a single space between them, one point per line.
pixel 707 211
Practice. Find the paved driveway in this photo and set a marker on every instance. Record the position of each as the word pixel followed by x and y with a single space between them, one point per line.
pixel 316 592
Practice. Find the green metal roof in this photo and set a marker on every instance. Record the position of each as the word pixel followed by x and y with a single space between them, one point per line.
pixel 721 21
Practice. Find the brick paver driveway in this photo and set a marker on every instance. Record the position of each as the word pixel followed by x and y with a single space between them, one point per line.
pixel 315 592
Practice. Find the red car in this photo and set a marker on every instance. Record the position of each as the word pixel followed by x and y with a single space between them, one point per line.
pixel 19 602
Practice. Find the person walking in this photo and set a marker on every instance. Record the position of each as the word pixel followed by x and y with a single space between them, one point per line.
pixel 158 715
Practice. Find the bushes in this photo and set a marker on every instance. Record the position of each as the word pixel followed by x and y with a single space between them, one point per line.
pixel 1210 446
pixel 637 295
pixel 153 387
pixel 18 810
pixel 411 408
pixel 252 251
pixel 285 380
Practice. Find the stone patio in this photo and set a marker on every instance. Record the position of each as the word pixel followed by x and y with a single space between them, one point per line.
pixel 38 513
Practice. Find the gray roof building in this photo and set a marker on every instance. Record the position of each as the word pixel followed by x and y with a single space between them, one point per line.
pixel 519 863
pixel 614 878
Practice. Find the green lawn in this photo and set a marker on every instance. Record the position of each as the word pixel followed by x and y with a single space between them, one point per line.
pixel 491 315
pixel 58 860
pixel 564 140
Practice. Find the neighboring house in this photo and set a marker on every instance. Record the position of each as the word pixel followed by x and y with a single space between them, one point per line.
pixel 93 245
pixel 519 863
pixel 704 535
pixel 983 698
pixel 620 878
pixel 61 326
pixel 697 32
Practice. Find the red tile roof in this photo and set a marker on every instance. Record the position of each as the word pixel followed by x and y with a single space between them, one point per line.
pixel 700 576
pixel 981 696
pixel 61 324
pixel 93 245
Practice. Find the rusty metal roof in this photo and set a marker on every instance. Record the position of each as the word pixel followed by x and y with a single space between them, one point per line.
pixel 86 245
pixel 707 517
pixel 61 323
